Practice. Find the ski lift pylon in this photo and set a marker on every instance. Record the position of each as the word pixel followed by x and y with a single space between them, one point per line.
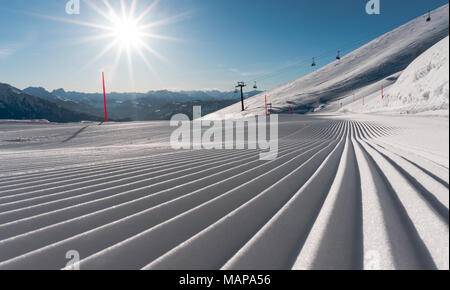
pixel 255 86
pixel 429 16
pixel 313 62
pixel 338 57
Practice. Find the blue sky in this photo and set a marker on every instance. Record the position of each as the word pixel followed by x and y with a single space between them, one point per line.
pixel 205 44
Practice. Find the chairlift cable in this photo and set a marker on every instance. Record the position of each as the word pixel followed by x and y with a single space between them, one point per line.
pixel 296 65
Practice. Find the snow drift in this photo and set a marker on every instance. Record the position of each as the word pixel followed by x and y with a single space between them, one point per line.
pixel 424 85
pixel 421 88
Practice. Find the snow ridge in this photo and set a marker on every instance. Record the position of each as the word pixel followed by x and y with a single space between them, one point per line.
pixel 424 85
pixel 385 56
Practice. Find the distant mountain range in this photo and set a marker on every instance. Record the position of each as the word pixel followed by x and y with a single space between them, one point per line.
pixel 62 106
pixel 16 104
pixel 161 95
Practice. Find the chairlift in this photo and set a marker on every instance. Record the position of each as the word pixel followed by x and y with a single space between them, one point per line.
pixel 429 16
pixel 338 57
pixel 313 62
pixel 255 86
pixel 236 91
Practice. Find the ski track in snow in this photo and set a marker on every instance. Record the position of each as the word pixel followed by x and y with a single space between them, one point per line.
pixel 342 194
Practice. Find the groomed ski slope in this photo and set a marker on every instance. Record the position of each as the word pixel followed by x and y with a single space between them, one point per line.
pixel 362 193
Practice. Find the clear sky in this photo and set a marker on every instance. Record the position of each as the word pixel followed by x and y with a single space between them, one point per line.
pixel 184 44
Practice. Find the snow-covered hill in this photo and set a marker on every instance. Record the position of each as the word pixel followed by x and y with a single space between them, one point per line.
pixel 374 64
pixel 422 88
pixel 424 85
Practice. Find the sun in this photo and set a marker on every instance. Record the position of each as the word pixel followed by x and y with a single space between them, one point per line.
pixel 124 30
pixel 127 32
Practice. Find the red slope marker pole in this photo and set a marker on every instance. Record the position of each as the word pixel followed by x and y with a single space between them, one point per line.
pixel 265 103
pixel 104 96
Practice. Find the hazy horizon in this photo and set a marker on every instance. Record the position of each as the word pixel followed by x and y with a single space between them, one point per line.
pixel 130 92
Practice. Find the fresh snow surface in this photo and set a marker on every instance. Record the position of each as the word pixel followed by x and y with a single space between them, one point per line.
pixel 422 88
pixel 346 192
pixel 375 62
